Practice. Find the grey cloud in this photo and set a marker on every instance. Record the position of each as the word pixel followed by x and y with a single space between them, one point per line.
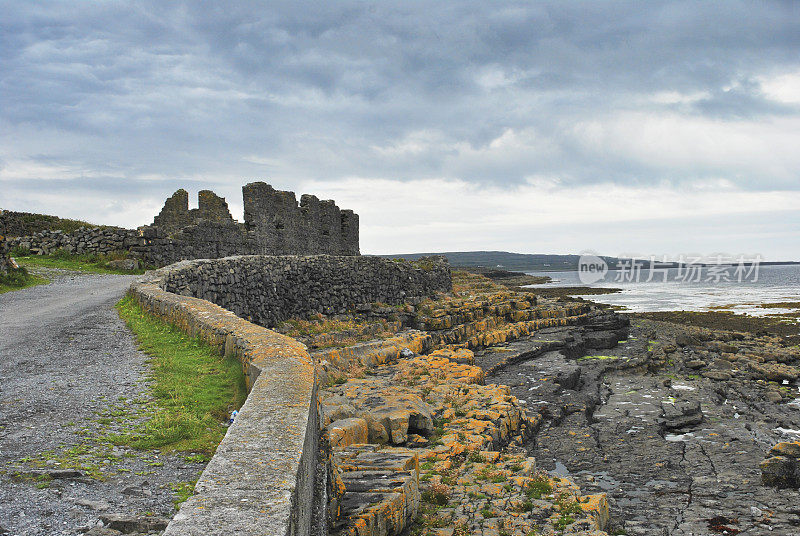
pixel 187 89
pixel 745 101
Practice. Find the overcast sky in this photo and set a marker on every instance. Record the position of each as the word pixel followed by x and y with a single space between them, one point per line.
pixel 534 127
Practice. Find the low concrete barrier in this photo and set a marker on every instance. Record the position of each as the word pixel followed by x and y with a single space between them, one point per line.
pixel 265 477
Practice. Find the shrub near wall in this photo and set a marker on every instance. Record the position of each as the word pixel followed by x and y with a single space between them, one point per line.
pixel 270 289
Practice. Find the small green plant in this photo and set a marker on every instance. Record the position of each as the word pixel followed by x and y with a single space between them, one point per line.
pixel 61 254
pixel 563 522
pixel 438 494
pixel 497 477
pixel 182 491
pixel 597 357
pixel 526 506
pixel 461 529
pixel 568 504
pixel 538 487
pixel 19 278
pixel 475 457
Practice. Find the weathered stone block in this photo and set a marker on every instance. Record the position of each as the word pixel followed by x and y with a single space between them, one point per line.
pixel 779 471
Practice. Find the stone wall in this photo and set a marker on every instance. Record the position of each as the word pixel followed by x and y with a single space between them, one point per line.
pixel 207 240
pixel 175 215
pixel 85 240
pixel 270 474
pixel 13 224
pixel 281 226
pixel 5 262
pixel 270 289
pixel 274 224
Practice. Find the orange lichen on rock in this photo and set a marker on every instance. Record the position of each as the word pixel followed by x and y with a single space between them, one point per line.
pixel 442 366
pixel 422 389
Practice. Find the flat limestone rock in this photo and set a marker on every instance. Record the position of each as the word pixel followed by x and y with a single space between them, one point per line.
pixel 681 414
pixel 128 524
pixel 381 496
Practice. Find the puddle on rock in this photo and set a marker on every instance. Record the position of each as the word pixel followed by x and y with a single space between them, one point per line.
pixel 794 435
pixel 560 470
pixel 679 437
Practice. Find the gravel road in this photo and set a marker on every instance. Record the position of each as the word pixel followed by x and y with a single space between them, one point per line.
pixel 69 373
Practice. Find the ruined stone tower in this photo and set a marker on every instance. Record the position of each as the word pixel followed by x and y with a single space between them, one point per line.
pixel 278 223
pixel 274 224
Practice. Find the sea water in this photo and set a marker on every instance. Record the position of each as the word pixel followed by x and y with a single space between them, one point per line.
pixel 774 284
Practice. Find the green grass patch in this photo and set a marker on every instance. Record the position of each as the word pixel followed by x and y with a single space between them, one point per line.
pixel 182 491
pixel 194 388
pixel 17 279
pixel 95 263
pixel 597 357
pixel 539 487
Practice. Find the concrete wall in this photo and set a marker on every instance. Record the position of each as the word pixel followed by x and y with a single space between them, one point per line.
pixel 270 289
pixel 264 478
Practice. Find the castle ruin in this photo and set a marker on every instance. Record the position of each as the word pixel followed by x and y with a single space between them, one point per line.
pixel 274 224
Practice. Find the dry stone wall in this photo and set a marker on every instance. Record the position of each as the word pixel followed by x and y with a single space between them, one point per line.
pixel 86 240
pixel 5 262
pixel 270 289
pixel 13 223
pixel 271 474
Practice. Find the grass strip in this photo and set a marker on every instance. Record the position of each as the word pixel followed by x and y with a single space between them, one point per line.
pixel 96 264
pixel 19 278
pixel 194 388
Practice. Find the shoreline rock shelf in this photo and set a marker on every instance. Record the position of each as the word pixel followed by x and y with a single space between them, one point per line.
pixel 661 410
pixel 422 391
